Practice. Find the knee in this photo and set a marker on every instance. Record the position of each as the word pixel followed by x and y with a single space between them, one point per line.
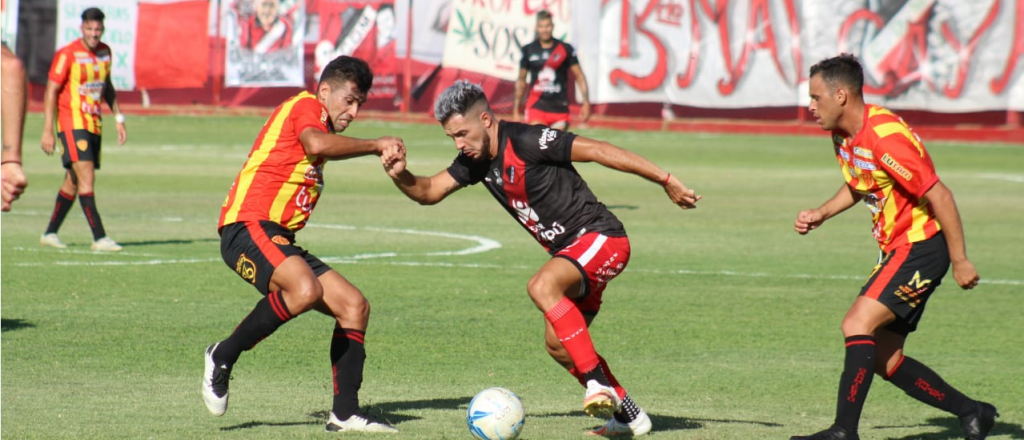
pixel 543 292
pixel 852 326
pixel 308 294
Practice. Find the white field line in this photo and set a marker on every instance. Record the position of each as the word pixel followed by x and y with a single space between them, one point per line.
pixel 1016 178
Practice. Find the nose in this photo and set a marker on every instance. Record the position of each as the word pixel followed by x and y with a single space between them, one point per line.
pixel 353 110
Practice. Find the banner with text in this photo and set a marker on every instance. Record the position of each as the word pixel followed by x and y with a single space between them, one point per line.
pixel 362 29
pixel 486 36
pixel 937 55
pixel 119 33
pixel 263 42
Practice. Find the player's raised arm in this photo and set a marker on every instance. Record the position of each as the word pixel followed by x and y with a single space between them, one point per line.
pixel 424 190
pixel 338 147
pixel 590 150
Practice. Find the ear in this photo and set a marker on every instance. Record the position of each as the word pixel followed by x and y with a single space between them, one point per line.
pixel 323 91
pixel 486 119
pixel 841 96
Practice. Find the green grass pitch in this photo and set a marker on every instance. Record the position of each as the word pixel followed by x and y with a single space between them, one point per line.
pixel 724 326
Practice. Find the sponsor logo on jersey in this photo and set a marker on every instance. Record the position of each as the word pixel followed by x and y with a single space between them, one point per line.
pixel 547 135
pixel 863 164
pixel 844 154
pixel 323 117
pixel 281 240
pixel 896 167
pixel 511 173
pixel 246 268
pixel 497 177
pixel 863 152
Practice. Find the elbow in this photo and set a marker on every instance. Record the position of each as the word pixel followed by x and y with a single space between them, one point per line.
pixel 428 201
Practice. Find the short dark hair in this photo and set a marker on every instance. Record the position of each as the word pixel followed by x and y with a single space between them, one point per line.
pixel 458 99
pixel 543 14
pixel 346 68
pixel 93 14
pixel 844 69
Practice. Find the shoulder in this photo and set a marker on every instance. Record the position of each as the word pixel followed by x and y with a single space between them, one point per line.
pixel 103 50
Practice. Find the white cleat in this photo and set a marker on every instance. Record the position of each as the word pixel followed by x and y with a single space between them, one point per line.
pixel 215 384
pixel 357 423
pixel 52 240
pixel 105 244
pixel 601 400
pixel 614 428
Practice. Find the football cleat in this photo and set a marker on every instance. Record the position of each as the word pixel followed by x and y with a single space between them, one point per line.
pixel 978 424
pixel 614 428
pixel 358 423
pixel 215 384
pixel 105 244
pixel 832 433
pixel 601 400
pixel 52 240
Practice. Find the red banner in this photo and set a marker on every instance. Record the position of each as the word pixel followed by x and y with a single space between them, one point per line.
pixel 170 51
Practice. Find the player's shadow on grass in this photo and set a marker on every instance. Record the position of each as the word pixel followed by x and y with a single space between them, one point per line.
pixel 952 430
pixel 623 207
pixel 7 325
pixel 385 411
pixel 173 241
pixel 664 423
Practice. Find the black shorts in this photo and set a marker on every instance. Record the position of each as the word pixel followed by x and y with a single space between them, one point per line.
pixel 84 146
pixel 906 278
pixel 255 249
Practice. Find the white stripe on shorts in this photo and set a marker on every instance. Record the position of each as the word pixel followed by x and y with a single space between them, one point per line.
pixel 594 248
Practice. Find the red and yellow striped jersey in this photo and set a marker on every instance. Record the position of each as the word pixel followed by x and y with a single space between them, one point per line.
pixel 82 75
pixel 280 182
pixel 887 164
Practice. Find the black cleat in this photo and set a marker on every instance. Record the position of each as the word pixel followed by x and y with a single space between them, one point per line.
pixel 832 433
pixel 979 423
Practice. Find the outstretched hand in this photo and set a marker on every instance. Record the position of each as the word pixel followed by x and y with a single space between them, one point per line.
pixel 393 160
pixel 685 197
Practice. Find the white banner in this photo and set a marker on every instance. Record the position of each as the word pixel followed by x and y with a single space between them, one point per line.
pixel 937 55
pixel 263 42
pixel 119 33
pixel 486 36
pixel 9 21
pixel 430 20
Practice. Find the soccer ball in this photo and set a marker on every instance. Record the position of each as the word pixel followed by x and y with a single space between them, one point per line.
pixel 495 414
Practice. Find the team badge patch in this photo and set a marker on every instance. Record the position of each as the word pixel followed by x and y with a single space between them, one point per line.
pixel 82 145
pixel 246 269
pixel 279 239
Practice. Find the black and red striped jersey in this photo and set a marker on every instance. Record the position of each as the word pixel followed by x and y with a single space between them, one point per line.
pixel 533 178
pixel 549 75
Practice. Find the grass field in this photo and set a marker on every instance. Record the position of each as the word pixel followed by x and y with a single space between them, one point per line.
pixel 725 325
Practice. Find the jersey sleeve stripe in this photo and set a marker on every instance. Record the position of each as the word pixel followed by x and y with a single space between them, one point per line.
pixel 890 128
pixel 248 173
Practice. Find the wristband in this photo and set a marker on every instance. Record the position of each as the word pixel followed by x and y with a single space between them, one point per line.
pixel 10 161
pixel 665 182
pixel 119 118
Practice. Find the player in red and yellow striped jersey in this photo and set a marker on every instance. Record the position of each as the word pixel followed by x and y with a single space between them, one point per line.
pixel 918 228
pixel 79 83
pixel 272 198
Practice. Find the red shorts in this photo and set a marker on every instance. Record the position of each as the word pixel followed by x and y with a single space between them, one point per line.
pixel 533 115
pixel 599 258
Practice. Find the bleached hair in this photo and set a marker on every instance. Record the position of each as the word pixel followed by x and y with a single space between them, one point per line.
pixel 458 99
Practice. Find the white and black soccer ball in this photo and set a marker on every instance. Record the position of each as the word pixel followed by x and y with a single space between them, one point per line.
pixel 495 414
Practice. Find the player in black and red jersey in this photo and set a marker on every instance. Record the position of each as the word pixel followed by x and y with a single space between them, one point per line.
pixel 549 61
pixel 528 169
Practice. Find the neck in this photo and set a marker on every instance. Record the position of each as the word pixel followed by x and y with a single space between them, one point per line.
pixel 493 134
pixel 853 119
